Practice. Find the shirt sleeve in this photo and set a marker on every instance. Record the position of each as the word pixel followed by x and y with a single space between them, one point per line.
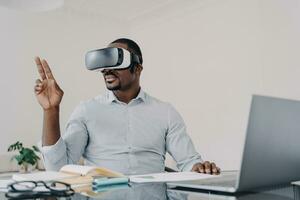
pixel 178 143
pixel 70 146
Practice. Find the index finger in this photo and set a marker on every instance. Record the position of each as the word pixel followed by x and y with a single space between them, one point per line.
pixel 40 68
pixel 47 69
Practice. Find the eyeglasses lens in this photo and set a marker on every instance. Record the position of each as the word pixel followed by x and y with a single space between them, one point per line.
pixel 24 186
pixel 58 187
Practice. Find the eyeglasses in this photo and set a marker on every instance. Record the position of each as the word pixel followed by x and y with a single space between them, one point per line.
pixel 38 189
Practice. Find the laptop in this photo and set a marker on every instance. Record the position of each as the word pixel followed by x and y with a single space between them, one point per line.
pixel 271 153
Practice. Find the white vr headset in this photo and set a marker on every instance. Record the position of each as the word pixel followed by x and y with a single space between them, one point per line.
pixel 110 58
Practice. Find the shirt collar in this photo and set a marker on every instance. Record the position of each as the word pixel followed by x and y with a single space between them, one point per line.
pixel 112 98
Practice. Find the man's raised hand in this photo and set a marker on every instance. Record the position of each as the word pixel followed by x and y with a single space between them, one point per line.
pixel 47 91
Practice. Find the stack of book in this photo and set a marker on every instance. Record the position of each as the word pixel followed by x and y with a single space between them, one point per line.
pixel 75 175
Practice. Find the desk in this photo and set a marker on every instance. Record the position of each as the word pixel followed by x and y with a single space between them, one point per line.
pixel 159 191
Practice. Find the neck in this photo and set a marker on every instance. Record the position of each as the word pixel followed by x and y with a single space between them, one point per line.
pixel 128 95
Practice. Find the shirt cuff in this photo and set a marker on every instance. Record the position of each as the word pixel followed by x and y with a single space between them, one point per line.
pixel 188 167
pixel 55 147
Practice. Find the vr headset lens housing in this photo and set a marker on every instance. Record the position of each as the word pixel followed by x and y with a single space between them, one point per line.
pixel 110 58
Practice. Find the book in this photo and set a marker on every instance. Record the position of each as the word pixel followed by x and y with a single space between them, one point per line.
pixel 101 192
pixel 105 181
pixel 75 175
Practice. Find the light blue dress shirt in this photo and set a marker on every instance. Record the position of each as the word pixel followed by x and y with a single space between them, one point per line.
pixel 129 138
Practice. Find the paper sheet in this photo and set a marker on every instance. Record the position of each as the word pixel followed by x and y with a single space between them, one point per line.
pixel 169 177
pixel 42 176
pixel 4 183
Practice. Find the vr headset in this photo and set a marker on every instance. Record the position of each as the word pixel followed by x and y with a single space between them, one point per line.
pixel 110 58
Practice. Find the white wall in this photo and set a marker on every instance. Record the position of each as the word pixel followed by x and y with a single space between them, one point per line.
pixel 206 58
pixel 10 49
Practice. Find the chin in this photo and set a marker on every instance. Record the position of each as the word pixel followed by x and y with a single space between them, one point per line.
pixel 113 87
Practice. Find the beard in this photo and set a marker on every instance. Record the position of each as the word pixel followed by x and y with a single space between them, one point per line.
pixel 117 84
pixel 113 87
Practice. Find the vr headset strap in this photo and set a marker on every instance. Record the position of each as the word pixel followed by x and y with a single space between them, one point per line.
pixel 134 60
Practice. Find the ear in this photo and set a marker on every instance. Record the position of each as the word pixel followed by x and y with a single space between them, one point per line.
pixel 139 68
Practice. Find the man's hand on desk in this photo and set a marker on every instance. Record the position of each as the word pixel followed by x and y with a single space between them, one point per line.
pixel 206 168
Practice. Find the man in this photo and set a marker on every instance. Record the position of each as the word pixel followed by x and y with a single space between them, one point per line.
pixel 125 130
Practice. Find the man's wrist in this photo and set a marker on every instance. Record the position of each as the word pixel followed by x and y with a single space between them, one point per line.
pixel 54 109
